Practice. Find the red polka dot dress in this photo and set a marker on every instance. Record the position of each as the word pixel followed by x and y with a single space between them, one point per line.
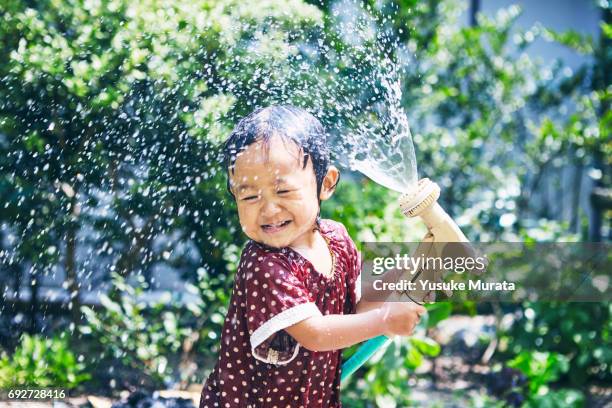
pixel 260 364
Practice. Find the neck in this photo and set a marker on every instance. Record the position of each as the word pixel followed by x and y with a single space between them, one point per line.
pixel 308 240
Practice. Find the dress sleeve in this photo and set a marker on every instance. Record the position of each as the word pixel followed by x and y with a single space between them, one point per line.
pixel 275 299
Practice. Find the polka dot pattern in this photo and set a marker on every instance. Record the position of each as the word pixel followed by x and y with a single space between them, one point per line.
pixel 271 284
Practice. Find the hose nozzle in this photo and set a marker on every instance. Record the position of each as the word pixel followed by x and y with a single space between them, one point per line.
pixel 423 202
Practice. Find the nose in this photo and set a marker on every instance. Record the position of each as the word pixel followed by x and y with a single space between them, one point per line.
pixel 270 208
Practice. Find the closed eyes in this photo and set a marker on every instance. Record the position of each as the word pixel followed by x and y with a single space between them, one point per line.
pixel 251 198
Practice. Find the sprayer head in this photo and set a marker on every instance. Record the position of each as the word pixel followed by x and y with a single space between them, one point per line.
pixel 423 196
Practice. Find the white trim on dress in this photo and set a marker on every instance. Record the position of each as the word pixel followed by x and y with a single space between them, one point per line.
pixel 277 323
pixel 358 288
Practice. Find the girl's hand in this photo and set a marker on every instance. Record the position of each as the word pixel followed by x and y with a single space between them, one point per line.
pixel 400 318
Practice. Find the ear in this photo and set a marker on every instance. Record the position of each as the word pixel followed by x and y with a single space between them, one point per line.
pixel 329 183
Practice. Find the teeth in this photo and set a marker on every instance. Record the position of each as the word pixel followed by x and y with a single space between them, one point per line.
pixel 276 225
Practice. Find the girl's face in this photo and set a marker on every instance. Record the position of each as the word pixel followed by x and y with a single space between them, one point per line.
pixel 276 195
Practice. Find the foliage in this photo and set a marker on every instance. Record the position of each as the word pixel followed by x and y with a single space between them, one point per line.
pixel 557 399
pixel 477 101
pixel 111 115
pixel 370 213
pixel 138 334
pixel 110 121
pixel 540 368
pixel 213 289
pixel 579 333
pixel 42 362
pixel 384 378
pixel 527 378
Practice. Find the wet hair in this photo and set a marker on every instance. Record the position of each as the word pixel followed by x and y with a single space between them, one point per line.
pixel 290 123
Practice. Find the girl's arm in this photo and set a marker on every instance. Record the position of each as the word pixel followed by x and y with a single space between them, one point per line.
pixel 368 292
pixel 365 306
pixel 333 332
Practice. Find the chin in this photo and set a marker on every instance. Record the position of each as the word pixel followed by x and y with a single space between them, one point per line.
pixel 268 241
pixel 275 243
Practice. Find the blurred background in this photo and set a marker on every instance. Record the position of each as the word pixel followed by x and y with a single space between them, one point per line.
pixel 119 241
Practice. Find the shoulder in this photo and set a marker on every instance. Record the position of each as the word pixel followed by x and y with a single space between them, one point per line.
pixel 334 229
pixel 337 234
pixel 343 246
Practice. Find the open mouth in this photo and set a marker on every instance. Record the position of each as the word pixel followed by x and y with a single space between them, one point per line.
pixel 275 227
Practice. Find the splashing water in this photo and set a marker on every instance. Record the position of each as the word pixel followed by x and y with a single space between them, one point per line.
pixel 386 158
pixel 377 143
pixel 360 104
pixel 111 167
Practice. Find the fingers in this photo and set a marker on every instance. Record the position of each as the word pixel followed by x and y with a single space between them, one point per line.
pixel 420 310
pixel 412 327
pixel 403 318
pixel 412 323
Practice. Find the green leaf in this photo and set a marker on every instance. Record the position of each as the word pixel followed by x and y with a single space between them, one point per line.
pixel 109 304
pixel 572 39
pixel 437 312
pixel 413 358
pixel 426 346
pixel 606 29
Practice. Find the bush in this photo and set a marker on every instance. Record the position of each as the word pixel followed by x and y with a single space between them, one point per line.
pixel 578 331
pixel 384 378
pixel 527 378
pixel 42 362
pixel 140 336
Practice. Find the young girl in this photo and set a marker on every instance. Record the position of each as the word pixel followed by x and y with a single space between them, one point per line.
pixel 296 298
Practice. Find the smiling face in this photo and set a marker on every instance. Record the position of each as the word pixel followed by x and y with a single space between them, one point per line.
pixel 276 195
